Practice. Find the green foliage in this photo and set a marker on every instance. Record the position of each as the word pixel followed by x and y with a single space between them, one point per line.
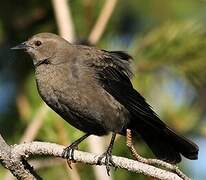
pixel 177 45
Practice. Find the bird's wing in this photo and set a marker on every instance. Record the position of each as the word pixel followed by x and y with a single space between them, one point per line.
pixel 113 72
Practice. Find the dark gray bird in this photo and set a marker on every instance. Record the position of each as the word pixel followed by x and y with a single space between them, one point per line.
pixel 91 89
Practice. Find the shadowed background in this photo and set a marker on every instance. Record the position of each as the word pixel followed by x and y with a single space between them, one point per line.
pixel 167 40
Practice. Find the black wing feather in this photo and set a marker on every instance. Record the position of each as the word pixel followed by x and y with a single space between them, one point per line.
pixel 116 80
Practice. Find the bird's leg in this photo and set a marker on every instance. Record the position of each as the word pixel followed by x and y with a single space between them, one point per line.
pixel 108 155
pixel 68 152
pixel 154 162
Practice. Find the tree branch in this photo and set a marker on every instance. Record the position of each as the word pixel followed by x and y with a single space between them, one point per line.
pixel 15 162
pixel 102 21
pixel 13 158
pixel 64 19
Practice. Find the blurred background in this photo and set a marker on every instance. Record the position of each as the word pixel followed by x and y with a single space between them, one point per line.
pixel 168 42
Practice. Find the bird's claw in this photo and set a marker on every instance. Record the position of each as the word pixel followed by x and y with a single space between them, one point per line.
pixel 68 153
pixel 108 161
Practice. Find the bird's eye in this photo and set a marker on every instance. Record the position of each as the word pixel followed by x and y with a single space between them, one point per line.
pixel 38 43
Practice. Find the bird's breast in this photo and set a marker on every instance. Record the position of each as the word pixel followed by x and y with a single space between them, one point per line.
pixel 81 101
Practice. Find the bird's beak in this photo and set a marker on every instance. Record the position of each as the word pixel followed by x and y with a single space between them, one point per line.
pixel 21 46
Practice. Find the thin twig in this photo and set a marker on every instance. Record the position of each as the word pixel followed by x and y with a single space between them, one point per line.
pixel 36 123
pixel 154 162
pixel 64 19
pixel 23 106
pixel 102 21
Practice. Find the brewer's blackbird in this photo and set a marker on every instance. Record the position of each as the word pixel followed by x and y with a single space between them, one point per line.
pixel 91 89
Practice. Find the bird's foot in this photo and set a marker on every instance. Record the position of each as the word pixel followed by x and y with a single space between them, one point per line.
pixel 108 161
pixel 68 153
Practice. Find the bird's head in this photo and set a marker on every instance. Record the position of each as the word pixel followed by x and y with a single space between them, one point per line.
pixel 42 47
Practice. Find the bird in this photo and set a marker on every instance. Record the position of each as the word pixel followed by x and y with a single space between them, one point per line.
pixel 91 89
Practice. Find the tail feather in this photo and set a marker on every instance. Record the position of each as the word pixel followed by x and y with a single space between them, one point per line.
pixel 166 144
pixel 186 147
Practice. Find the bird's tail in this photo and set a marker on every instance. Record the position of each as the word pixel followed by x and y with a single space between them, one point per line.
pixel 166 144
